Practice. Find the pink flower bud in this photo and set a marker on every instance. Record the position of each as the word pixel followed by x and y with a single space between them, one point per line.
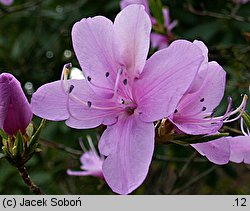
pixel 15 112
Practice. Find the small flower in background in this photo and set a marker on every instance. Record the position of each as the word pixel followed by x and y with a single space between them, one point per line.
pixel 121 90
pixel 241 1
pixel 91 162
pixel 6 2
pixel 158 40
pixel 15 111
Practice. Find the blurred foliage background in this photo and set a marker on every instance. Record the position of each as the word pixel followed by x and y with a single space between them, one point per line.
pixel 35 42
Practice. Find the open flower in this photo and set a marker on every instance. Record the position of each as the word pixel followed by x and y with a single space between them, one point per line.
pixel 195 112
pixel 121 90
pixel 158 40
pixel 15 112
pixel 6 2
pixel 91 162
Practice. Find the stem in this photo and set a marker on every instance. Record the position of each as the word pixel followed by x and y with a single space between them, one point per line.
pixel 26 178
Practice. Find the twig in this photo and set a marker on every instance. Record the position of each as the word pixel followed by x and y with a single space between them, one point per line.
pixel 52 144
pixel 232 16
pixel 20 8
pixel 26 178
pixel 185 166
pixel 177 159
pixel 203 174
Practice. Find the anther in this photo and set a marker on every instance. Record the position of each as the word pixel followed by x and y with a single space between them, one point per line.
pixel 107 74
pixel 204 109
pixel 89 104
pixel 175 111
pixel 202 100
pixel 71 88
pixel 122 101
pixel 89 78
pixel 125 81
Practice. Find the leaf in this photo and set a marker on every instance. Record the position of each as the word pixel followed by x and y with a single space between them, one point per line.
pixel 34 139
pixel 246 118
pixel 156 9
pixel 3 134
pixel 186 140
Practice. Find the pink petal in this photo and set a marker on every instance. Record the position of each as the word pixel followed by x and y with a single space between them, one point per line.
pixel 240 149
pixel 166 77
pixel 50 102
pixel 217 151
pixel 132 28
pixel 93 45
pixel 130 145
pixel 14 107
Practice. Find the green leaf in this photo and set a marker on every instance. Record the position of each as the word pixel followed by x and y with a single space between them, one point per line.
pixel 18 146
pixel 246 118
pixel 186 140
pixel 3 134
pixel 156 9
pixel 34 139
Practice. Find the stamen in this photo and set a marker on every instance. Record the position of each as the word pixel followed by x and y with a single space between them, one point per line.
pixel 89 78
pixel 242 127
pixel 92 147
pixel 107 74
pixel 202 100
pixel 204 109
pixel 175 111
pixel 82 145
pixel 65 74
pixel 119 73
pixel 68 90
pixel 240 109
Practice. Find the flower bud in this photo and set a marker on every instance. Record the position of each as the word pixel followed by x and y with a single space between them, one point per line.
pixel 15 112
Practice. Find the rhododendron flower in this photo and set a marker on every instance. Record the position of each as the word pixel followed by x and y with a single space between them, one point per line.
pixel 158 40
pixel 15 112
pixel 195 111
pixel 6 2
pixel 91 162
pixel 121 90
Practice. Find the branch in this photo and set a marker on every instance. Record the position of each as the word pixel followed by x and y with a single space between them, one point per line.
pixel 26 178
pixel 232 16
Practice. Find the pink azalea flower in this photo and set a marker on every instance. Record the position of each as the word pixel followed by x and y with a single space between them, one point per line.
pixel 159 41
pixel 121 90
pixel 194 113
pixel 6 2
pixel 91 162
pixel 15 112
